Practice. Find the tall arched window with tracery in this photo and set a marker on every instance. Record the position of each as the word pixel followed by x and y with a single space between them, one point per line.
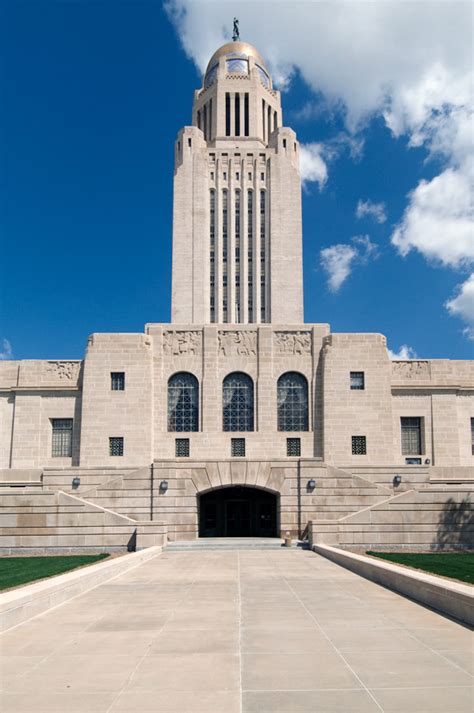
pixel 183 402
pixel 292 402
pixel 237 402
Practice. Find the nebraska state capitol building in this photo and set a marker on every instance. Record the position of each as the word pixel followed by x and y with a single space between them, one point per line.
pixel 237 418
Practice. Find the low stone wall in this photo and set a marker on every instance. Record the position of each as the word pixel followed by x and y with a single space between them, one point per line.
pixel 42 521
pixel 19 605
pixel 449 597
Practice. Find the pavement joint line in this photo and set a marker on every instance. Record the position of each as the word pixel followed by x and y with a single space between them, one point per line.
pixel 332 643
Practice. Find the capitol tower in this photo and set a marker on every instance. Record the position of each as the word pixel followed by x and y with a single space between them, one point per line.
pixel 237 254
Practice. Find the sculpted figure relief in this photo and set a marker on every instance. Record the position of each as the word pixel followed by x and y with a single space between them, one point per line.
pixel 182 343
pixel 411 369
pixel 293 342
pixel 64 370
pixel 239 342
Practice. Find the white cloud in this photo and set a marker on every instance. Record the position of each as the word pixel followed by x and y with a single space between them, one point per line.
pixel 6 352
pixel 313 168
pixel 405 352
pixel 438 221
pixel 375 210
pixel 339 260
pixel 463 306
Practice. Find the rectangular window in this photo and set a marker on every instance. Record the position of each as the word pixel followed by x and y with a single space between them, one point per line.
pixel 357 380
pixel 117 380
pixel 227 114
pixel 411 435
pixel 182 447
pixel 62 437
pixel 237 114
pixel 359 446
pixel 237 447
pixel 293 446
pixel 472 436
pixel 116 446
pixel 246 110
pixel 412 461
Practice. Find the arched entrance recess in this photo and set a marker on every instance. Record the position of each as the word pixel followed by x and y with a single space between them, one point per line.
pixel 238 511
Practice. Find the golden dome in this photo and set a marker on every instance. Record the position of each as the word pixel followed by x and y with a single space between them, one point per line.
pixel 239 48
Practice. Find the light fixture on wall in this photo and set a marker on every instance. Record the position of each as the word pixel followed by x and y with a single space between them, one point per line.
pixel 311 484
pixel 76 481
pixel 397 479
pixel 163 486
pixel 427 461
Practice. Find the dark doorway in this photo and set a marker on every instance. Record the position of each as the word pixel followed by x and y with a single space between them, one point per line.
pixel 238 512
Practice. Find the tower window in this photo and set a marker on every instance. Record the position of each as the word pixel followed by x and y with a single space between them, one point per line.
pixel 212 249
pixel 227 114
pixel 263 282
pixel 250 253
pixel 359 446
pixel 237 256
pixel 246 113
pixel 284 143
pixel 237 114
pixel 117 380
pixel 189 143
pixel 225 226
pixel 357 380
pixel 116 446
pixel 61 437
pixel 204 121
pixel 249 176
pixel 472 436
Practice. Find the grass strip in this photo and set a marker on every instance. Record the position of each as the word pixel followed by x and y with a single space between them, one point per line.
pixel 15 571
pixel 456 565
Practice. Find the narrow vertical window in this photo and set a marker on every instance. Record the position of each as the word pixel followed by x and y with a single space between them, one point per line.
pixel 212 255
pixel 204 121
pixel 275 121
pixel 237 113
pixel 227 114
pixel 250 253
pixel 225 225
pixel 246 111
pixel 263 118
pixel 210 121
pixel 199 119
pixel 263 278
pixel 237 256
pixel 269 121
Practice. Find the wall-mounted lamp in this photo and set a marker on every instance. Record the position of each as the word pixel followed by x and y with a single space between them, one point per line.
pixel 397 479
pixel 163 486
pixel 76 481
pixel 311 484
pixel 427 461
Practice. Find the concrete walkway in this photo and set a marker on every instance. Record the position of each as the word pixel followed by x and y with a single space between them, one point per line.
pixel 238 632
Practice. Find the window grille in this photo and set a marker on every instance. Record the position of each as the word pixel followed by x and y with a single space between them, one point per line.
pixel 411 435
pixel 212 249
pixel 116 446
pixel 359 446
pixel 237 447
pixel 357 380
pixel 183 403
pixel 225 225
pixel 182 447
pixel 237 398
pixel 62 437
pixel 237 256
pixel 250 253
pixel 117 380
pixel 293 447
pixel 292 402
pixel 263 285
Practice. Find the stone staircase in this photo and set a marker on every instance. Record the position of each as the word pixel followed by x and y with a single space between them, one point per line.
pixel 225 544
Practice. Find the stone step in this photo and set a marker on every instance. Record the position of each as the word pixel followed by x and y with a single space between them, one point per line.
pixel 226 543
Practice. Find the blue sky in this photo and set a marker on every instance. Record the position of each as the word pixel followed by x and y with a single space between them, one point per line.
pixel 94 93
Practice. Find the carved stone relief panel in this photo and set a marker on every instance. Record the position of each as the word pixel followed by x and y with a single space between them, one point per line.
pixel 239 342
pixel 182 343
pixel 411 369
pixel 63 370
pixel 292 342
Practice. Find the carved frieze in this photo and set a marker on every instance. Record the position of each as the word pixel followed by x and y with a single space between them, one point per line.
pixel 63 370
pixel 292 342
pixel 182 343
pixel 239 342
pixel 413 370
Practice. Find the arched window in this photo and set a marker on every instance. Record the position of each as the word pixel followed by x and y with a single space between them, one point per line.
pixel 183 403
pixel 292 401
pixel 237 402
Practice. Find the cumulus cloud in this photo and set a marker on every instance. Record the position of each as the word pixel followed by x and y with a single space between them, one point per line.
pixel 6 352
pixel 339 260
pixel 405 352
pixel 371 209
pixel 313 168
pixel 463 305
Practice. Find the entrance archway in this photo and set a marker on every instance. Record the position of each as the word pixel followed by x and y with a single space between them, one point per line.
pixel 238 511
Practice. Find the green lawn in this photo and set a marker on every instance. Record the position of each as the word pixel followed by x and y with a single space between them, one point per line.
pixel 20 570
pixel 457 565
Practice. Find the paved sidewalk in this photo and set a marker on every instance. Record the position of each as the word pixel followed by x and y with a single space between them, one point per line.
pixel 238 632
